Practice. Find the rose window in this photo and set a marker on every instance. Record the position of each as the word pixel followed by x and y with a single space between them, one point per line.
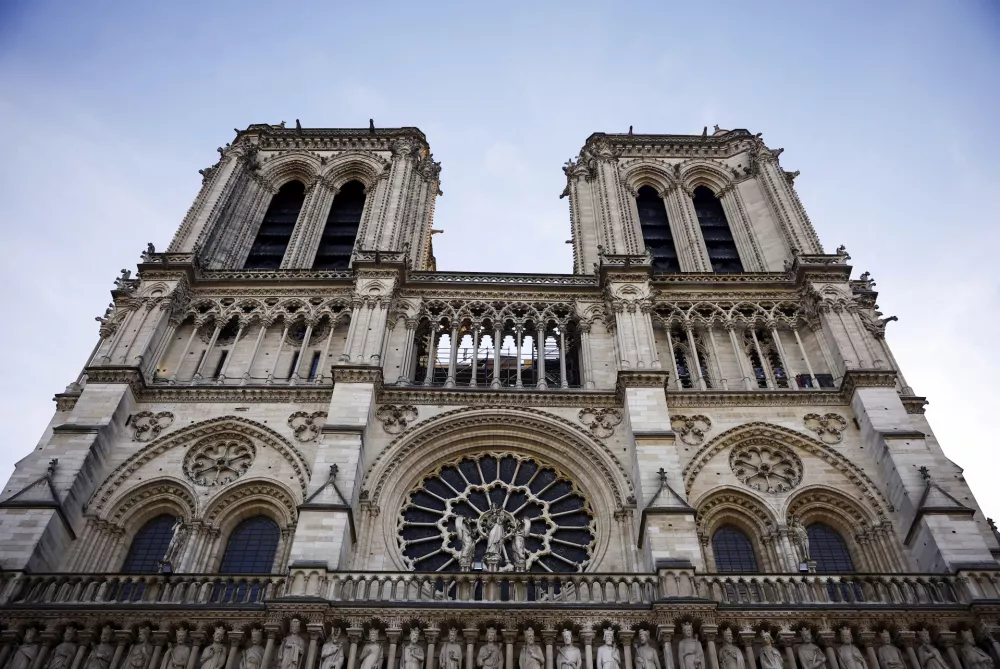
pixel 496 512
pixel 218 461
pixel 766 468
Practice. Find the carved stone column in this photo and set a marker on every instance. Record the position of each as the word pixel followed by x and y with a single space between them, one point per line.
pixel 124 637
pixel 509 637
pixel 587 637
pixel 549 638
pixel 272 630
pixel 315 631
pixel 665 635
pixel 826 638
pixel 626 637
pixel 909 638
pixel 404 363
pixel 48 639
pixel 867 638
pixel 8 640
pixel 86 638
pixel 159 641
pixel 392 634
pixel 586 357
pixel 235 638
pixel 353 636
pixel 710 632
pixel 540 382
pixel 431 634
pixel 432 345
pixel 787 641
pixel 947 639
pixel 453 357
pixel 747 636
pixel 470 636
pixel 497 343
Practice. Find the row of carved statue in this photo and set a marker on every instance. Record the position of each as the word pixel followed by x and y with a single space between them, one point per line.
pixel 294 652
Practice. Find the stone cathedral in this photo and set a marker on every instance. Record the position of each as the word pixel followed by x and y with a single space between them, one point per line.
pixel 297 445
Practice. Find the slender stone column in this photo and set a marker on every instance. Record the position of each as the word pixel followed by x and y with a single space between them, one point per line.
pixel 201 363
pixel 789 376
pixel 346 355
pixel 908 639
pixel 277 356
pixel 124 637
pixel 272 633
pixel 710 632
pixel 826 638
pixel 540 347
pixel 325 355
pixel 519 331
pixel 673 357
pixel 563 381
pixel 768 374
pixel 184 352
pixel 232 354
pixel 353 635
pixel 788 643
pixel 497 344
pixel 404 365
pixel 235 637
pixel 748 382
pixel 253 356
pixel 431 634
pixel 947 639
pixel 748 638
pixel 868 639
pixel 586 359
pixel 549 637
pixel 147 308
pixel 475 353
pixel 294 376
pixel 509 637
pixel 393 635
pixel 471 636
pixel 162 347
pixel 626 638
pixel 587 637
pixel 159 640
pixel 315 632
pixel 647 320
pixel 86 638
pixel 723 381
pixel 8 639
pixel 432 345
pixel 665 634
pixel 689 329
pixel 48 640
pixel 805 358
pixel 850 339
pixel 453 358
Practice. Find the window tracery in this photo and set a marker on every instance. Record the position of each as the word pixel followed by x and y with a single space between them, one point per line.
pixel 149 545
pixel 829 550
pixel 766 468
pixel 733 551
pixel 251 547
pixel 217 461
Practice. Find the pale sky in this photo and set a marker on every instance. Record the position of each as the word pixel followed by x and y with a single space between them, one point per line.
pixel 887 108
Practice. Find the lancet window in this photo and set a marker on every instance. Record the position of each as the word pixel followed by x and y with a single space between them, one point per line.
pixel 719 242
pixel 251 547
pixel 656 230
pixel 733 551
pixel 149 545
pixel 341 229
pixel 829 550
pixel 275 230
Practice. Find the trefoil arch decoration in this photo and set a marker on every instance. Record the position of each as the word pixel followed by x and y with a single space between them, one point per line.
pixel 829 427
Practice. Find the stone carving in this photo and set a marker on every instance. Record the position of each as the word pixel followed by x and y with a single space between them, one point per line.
pixel 490 656
pixel 62 655
pixel 568 656
pixel 177 537
pixel 888 655
pixel 331 655
pixel 219 460
pixel 829 427
pixel 305 426
pixel 730 656
pixel 394 418
pixel 370 656
pixel 645 656
pixel 451 652
pixel 253 655
pixel 601 422
pixel 690 654
pixel 147 425
pixel 770 657
pixel 531 656
pixel 292 653
pixel 608 655
pixel 214 655
pixel 413 653
pixel 766 468
pixel 973 656
pixel 800 537
pixel 691 429
pixel 102 653
pixel 929 656
pixel 848 655
pixel 140 652
pixel 25 655
pixel 179 652
pixel 810 655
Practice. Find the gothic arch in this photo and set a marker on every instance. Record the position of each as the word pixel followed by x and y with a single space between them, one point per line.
pixel 647 172
pixel 704 172
pixel 361 166
pixel 150 499
pixel 192 433
pixel 820 504
pixel 730 506
pixel 250 498
pixel 767 433
pixel 289 166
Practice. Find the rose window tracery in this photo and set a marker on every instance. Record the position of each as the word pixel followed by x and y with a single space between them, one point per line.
pixel 219 460
pixel 766 468
pixel 496 512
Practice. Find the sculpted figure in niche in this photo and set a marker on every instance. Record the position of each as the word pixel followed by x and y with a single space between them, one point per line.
pixel 608 655
pixel 848 655
pixel 568 655
pixel 178 653
pixel 927 654
pixel 689 651
pixel 413 654
pixel 494 541
pixel 770 657
pixel 26 653
pixel 332 653
pixel 810 655
pixel 62 655
pixel 141 651
pixel 253 656
pixel 465 528
pixel 800 536
pixel 888 655
pixel 973 656
pixel 102 653
pixel 292 652
pixel 371 654
pixel 730 656
pixel 531 656
pixel 179 533
pixel 214 655
pixel 646 656
pixel 451 652
pixel 490 656
pixel 517 544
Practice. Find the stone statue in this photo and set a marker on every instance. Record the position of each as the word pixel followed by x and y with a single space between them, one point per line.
pixel 568 656
pixel 465 528
pixel 253 656
pixel 973 656
pixel 645 656
pixel 102 653
pixel 26 653
pixel 62 655
pixel 608 655
pixel 489 656
pixel 140 652
pixel 331 655
pixel 929 656
pixel 531 656
pixel 451 652
pixel 292 653
pixel 178 534
pixel 770 657
pixel 147 255
pixel 800 537
pixel 810 655
pixel 494 540
pixel 121 283
pixel 848 655
pixel 517 544
pixel 371 654
pixel 888 655
pixel 413 654
pixel 214 655
pixel 730 656
pixel 690 654
pixel 178 653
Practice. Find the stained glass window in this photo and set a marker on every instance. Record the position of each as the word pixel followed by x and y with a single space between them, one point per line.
pixel 733 551
pixel 829 550
pixel 149 546
pixel 251 547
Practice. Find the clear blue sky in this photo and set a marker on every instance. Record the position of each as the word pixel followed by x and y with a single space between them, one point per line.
pixel 887 108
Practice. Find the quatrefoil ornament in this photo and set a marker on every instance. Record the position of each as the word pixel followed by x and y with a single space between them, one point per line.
pixel 306 426
pixel 396 418
pixel 691 429
pixel 829 427
pixel 601 422
pixel 148 425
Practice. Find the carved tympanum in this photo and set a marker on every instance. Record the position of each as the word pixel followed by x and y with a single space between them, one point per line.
pixel 219 460
pixel 829 427
pixel 765 467
pixel 147 425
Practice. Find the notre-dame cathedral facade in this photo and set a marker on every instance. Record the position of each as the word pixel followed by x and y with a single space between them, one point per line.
pixel 297 445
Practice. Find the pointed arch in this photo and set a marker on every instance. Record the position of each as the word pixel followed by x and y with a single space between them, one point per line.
pixel 647 172
pixel 704 172
pixel 362 166
pixel 291 165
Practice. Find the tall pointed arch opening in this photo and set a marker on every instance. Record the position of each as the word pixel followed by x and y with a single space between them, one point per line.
pixel 715 231
pixel 656 230
pixel 275 230
pixel 341 229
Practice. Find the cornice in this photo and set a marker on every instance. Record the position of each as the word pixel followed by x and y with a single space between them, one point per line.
pixel 690 399
pixel 914 404
pixel 507 397
pixel 357 374
pixel 202 393
pixel 866 378
pixel 474 278
pixel 631 378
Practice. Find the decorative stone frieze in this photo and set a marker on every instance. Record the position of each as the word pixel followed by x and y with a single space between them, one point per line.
pixel 147 426
pixel 691 429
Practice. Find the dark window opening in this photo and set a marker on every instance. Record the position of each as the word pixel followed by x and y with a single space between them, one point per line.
pixel 220 364
pixel 314 365
pixel 149 546
pixel 251 547
pixel 758 369
pixel 715 231
pixel 337 243
pixel 733 551
pixel 275 231
pixel 780 378
pixel 292 368
pixel 683 372
pixel 656 230
pixel 829 550
pixel 825 380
